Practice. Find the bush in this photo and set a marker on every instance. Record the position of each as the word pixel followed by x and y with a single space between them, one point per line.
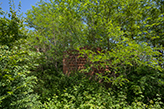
pixel 15 83
pixel 82 93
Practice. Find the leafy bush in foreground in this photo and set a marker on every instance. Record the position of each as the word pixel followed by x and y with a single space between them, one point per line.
pixel 15 83
pixel 87 94
pixel 15 63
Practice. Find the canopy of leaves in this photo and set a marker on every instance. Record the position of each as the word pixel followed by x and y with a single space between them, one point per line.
pixel 130 34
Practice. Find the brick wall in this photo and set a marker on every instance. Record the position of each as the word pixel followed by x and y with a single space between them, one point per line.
pixel 72 62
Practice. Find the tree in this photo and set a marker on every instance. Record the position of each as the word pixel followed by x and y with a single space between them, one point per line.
pixel 130 34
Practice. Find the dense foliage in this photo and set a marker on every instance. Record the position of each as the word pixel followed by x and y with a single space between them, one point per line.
pixel 129 32
pixel 16 85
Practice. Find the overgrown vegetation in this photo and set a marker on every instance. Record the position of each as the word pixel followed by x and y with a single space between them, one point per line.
pixel 129 32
